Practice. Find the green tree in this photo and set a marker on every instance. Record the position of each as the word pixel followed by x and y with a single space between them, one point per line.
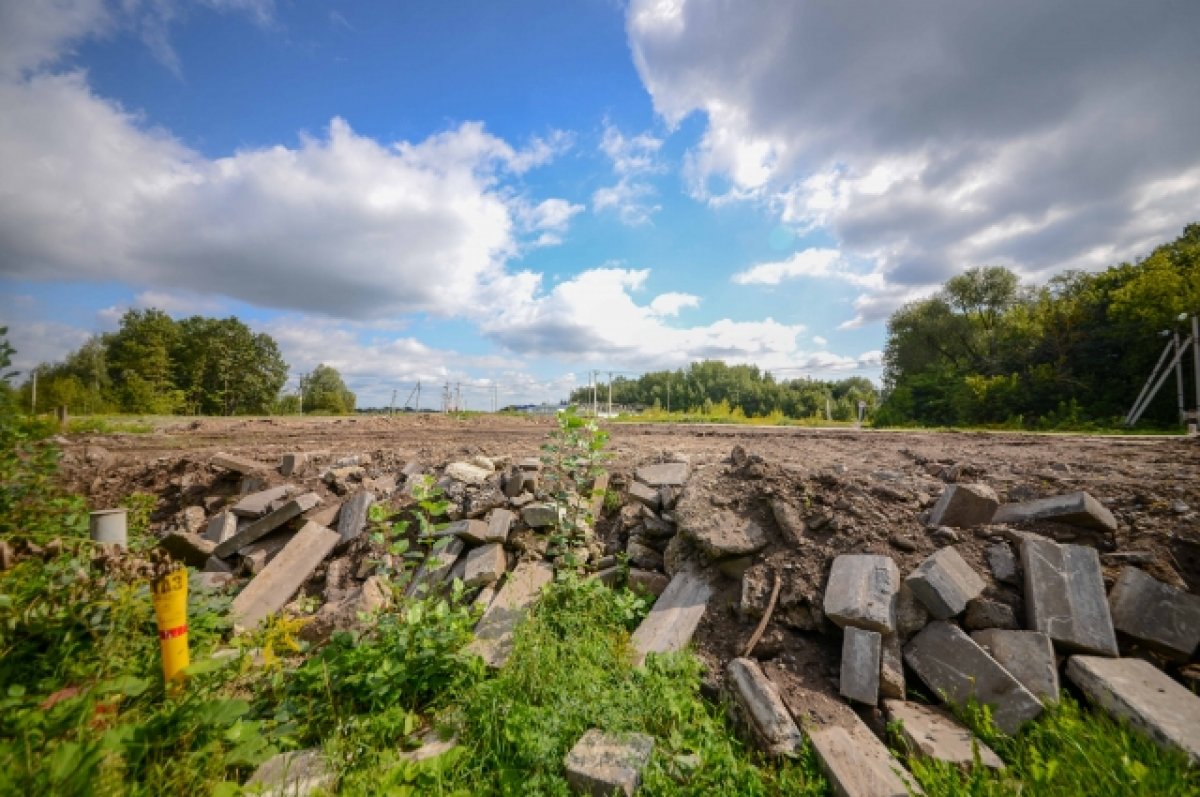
pixel 224 368
pixel 324 391
pixel 139 362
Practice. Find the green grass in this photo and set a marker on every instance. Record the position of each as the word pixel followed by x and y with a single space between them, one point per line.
pixel 111 424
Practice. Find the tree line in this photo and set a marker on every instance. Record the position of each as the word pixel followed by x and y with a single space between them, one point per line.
pixel 1073 353
pixel 154 364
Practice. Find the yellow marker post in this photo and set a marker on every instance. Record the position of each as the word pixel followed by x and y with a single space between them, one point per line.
pixel 170 606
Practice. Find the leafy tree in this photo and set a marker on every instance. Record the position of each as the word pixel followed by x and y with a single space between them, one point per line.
pixel 225 369
pixel 139 362
pixel 324 391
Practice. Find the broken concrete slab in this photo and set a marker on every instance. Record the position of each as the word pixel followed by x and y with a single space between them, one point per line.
pixel 353 518
pixel 720 534
pixel 270 590
pixel 467 473
pixel 1003 563
pixel 1156 614
pixel 944 582
pixel 603 764
pixel 485 565
pixel 1064 596
pixel 983 613
pixel 957 669
pixel 933 733
pixel 470 531
pixel 666 474
pixel 191 549
pixel 862 592
pixel 437 564
pixel 1075 509
pixel 221 527
pixel 964 506
pixel 246 467
pixel 891 668
pixel 646 496
pixel 787 517
pixel 673 620
pixel 257 504
pixel 769 721
pixel 538 516
pixel 499 523
pixel 265 525
pixel 1138 692
pixel 859 765
pixel 493 634
pixel 1027 655
pixel 911 614
pixel 861 652
pixel 293 774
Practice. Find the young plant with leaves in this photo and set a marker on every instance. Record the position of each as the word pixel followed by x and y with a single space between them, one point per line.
pixel 572 457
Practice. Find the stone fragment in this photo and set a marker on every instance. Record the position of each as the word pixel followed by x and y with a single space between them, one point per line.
pixel 603 765
pixel 787 517
pixel 668 474
pixel 343 614
pixel 211 582
pixel 656 527
pixel 265 525
pixel 1064 596
pixel 1076 509
pixel 957 669
pixel 538 516
pixel 911 614
pixel 964 506
pixel 353 518
pixel 721 534
pixel 1027 655
pixel 485 565
pixel 648 580
pixel 271 589
pixel 437 564
pixel 221 527
pixel 530 464
pixel 1156 614
pixel 191 549
pixel 296 463
pixel 246 467
pixel 673 620
pixel 294 774
pixel 862 592
pixel 643 555
pixel 770 723
pixel 513 482
pixel 1002 562
pixel 190 519
pixel 944 582
pixel 493 634
pixel 467 473
pixel 257 504
pixel 983 613
pixel 646 496
pixel 474 532
pixel 933 733
pixel 891 668
pixel 1136 691
pixel 859 765
pixel 498 525
pixel 860 665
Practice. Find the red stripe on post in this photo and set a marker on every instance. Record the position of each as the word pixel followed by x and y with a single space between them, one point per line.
pixel 172 633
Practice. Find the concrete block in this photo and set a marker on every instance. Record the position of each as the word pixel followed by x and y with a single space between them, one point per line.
pixel 271 589
pixel 538 516
pixel 472 532
pixel 1027 655
pixel 911 614
pixel 353 518
pixel 983 613
pixel 530 464
pixel 1003 563
pixel 493 634
pixel 964 506
pixel 1064 596
pixel 646 496
pixel 1076 509
pixel 676 613
pixel 859 765
pixel 221 527
pixel 933 733
pixel 257 504
pixel 1155 614
pixel 297 462
pixel 862 592
pixel 770 723
pixel 957 669
pixel 499 524
pixel 246 467
pixel 861 653
pixel 603 765
pixel 191 549
pixel 485 565
pixel 265 525
pixel 1138 692
pixel 437 564
pixel 666 474
pixel 944 582
pixel 467 473
pixel 891 668
pixel 293 774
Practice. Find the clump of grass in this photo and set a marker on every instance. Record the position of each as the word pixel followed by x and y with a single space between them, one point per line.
pixel 104 424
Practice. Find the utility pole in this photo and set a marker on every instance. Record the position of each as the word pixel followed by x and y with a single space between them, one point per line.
pixel 458 397
pixel 446 398
pixel 1179 380
pixel 392 406
pixel 418 407
pixel 301 381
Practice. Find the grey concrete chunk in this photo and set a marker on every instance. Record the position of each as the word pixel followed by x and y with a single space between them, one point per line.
pixel 1002 562
pixel 271 589
pixel 648 581
pixel 983 613
pixel 647 496
pixel 911 614
pixel 643 555
pixel 259 503
pixel 1156 614
pixel 296 463
pixel 957 669
pixel 353 518
pixel 673 620
pixel 493 634
pixel 293 774
pixel 191 549
pixel 499 523
pixel 861 653
pixel 770 723
pixel 933 733
pixel 467 473
pixel 1076 509
pixel 862 592
pixel 538 516
pixel 891 668
pixel 964 505
pixel 1064 596
pixel 485 565
pixel 1138 692
pixel 437 564
pixel 944 582
pixel 670 474
pixel 221 527
pixel 718 533
pixel 603 765
pixel 246 467
pixel 265 525
pixel 859 765
pixel 1027 655
pixel 530 464
pixel 474 532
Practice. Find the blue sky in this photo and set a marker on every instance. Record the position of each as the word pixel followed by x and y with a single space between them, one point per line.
pixel 513 194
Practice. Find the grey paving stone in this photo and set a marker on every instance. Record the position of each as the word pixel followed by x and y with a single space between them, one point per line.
pixel 246 467
pixel 933 733
pixel 862 592
pixel 964 506
pixel 485 565
pixel 538 516
pixel 271 589
pixel 771 724
pixel 861 652
pixel 221 527
pixel 859 765
pixel 603 765
pixel 891 668
pixel 499 523
pixel 352 520
pixel 437 565
pixel 1064 596
pixel 268 523
pixel 644 495
pixel 1027 655
pixel 944 582
pixel 671 474
pixel 1155 614
pixel 191 549
pixel 259 503
pixel 676 613
pixel 293 774
pixel 493 634
pixel 1076 509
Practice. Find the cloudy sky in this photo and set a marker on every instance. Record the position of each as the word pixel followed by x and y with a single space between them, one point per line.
pixel 514 194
